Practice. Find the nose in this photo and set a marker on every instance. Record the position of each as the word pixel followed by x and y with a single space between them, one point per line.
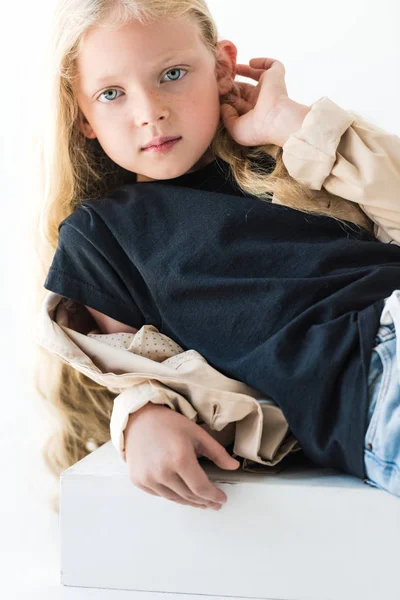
pixel 149 108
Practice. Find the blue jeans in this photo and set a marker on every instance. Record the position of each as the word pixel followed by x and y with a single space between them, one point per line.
pixel 382 439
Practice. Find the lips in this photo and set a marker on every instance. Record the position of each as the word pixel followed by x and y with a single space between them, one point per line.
pixel 160 140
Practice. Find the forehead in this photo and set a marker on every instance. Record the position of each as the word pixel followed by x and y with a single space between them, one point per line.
pixel 125 49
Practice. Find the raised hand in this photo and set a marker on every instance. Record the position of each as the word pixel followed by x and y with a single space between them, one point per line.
pixel 254 117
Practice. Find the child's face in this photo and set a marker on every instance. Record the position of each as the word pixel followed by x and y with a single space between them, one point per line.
pixel 161 81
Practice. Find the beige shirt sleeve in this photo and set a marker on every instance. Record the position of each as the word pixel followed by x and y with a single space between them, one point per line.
pixel 352 158
pixel 134 398
pixel 152 344
pixel 264 440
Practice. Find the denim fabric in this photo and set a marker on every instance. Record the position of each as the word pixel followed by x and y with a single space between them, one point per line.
pixel 382 439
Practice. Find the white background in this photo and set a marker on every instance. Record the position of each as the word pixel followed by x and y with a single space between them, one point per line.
pixel 346 50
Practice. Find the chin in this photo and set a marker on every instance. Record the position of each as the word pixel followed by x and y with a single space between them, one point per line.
pixel 171 173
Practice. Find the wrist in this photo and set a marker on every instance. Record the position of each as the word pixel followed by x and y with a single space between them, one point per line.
pixel 134 415
pixel 289 119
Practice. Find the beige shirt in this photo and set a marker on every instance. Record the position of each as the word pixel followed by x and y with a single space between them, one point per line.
pixel 228 410
pixel 336 150
pixel 339 151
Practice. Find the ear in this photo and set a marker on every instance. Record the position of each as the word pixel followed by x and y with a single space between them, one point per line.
pixel 85 127
pixel 226 54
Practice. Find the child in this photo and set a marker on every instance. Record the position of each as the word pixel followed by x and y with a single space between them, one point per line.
pixel 276 282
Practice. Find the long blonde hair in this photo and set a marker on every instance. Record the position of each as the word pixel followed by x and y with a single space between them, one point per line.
pixel 73 168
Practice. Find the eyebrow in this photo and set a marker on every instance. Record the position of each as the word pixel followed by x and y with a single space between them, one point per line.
pixel 104 78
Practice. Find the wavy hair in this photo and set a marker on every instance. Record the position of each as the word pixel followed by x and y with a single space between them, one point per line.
pixel 74 168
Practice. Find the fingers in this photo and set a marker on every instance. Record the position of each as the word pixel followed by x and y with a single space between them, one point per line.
pixel 186 483
pixel 263 62
pixel 257 66
pixel 199 484
pixel 247 71
pixel 169 494
pixel 178 491
pixel 246 89
pixel 241 105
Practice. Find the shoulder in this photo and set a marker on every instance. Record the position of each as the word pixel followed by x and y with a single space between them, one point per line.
pixel 103 219
pixel 81 216
pixel 88 215
pixel 117 198
pixel 107 207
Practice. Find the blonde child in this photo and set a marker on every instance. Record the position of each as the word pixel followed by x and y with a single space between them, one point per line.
pixel 253 236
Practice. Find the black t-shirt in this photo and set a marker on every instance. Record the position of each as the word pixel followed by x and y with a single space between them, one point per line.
pixel 282 300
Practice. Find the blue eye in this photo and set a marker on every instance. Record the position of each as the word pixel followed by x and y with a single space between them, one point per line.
pixel 105 92
pixel 176 70
pixel 175 77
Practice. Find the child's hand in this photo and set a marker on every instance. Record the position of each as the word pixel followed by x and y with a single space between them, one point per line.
pixel 161 452
pixel 253 119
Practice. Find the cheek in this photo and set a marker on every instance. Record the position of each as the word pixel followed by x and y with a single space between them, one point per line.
pixel 115 127
pixel 204 106
pixel 116 143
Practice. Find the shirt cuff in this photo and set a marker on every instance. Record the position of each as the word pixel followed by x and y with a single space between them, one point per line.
pixel 310 153
pixel 132 399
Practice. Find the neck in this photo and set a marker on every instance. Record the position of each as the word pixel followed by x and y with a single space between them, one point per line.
pixel 205 160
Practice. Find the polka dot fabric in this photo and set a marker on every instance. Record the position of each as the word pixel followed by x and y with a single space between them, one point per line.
pixel 147 342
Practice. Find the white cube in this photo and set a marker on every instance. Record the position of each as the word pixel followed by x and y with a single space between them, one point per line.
pixel 303 534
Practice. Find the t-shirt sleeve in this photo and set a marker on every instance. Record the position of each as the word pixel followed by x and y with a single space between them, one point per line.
pixel 88 267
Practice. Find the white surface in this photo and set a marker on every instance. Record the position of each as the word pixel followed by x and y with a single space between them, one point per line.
pixel 349 52
pixel 98 594
pixel 29 547
pixel 278 536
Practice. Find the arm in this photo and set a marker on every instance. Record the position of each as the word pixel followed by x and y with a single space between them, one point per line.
pixel 139 398
pixel 137 387
pixel 108 325
pixel 349 157
pixel 171 435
